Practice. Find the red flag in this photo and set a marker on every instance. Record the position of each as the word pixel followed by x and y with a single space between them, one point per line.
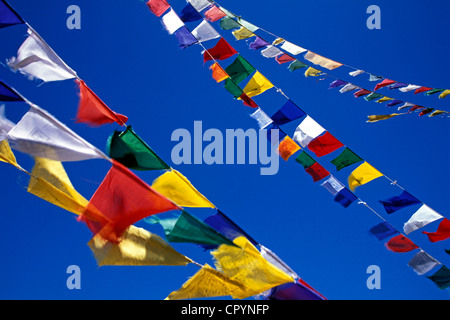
pixel 158 7
pixel 121 200
pixel 284 58
pixel 324 144
pixel 317 172
pixel 442 233
pixel 422 89
pixel 401 243
pixel 94 111
pixel 249 102
pixel 361 93
pixel 214 14
pixel 384 83
pixel 221 51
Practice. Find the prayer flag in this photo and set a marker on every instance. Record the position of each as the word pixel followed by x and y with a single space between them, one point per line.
pixel 247 24
pixel 244 263
pixel 287 113
pixel 184 37
pixel 92 110
pixel 214 13
pixel 361 93
pixel 433 91
pixel 362 175
pixel 373 96
pixel 261 118
pixel 49 181
pixel 189 14
pixel 426 111
pixel 293 291
pixel 345 197
pixel 394 103
pixel 375 118
pixel 138 247
pixel 422 262
pixel 384 99
pixel 296 65
pixel 41 135
pixel 158 7
pixel 221 51
pixel 8 94
pixel 6 154
pixel 287 148
pixel 233 88
pixel 311 72
pixel 444 94
pixel 422 89
pixel 317 172
pixel 270 256
pixel 37 60
pixel 404 200
pixel 199 5
pixel 130 150
pixel 373 77
pixel 273 127
pixel 345 159
pixel 437 112
pixel 205 32
pixel 239 69
pixel 5 124
pixel 332 185
pixel 421 218
pixel 337 83
pixel 218 73
pixel 441 278
pixel 356 73
pixel 284 58
pixel 292 48
pixel 400 244
pixel 305 159
pixel 442 233
pixel 8 17
pixel 383 230
pixel 409 87
pixel 171 21
pixel 121 200
pixel 177 188
pixel 257 85
pixel 384 83
pixel 242 33
pixel 258 44
pixel 397 85
pixel 322 61
pixel 248 101
pixel 271 52
pixel 348 87
pixel 229 23
pixel 324 144
pixel 307 131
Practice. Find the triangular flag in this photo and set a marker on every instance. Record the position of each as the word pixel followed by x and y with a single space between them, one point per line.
pixel 221 51
pixel 442 233
pixel 345 159
pixel 348 87
pixel 137 248
pixel 177 188
pixel 384 83
pixel 441 278
pixel 400 244
pixel 361 93
pixel 37 60
pixel 422 89
pixel 8 94
pixel 284 58
pixel 287 148
pixel 258 43
pixel 8 17
pixel 324 144
pixel 362 175
pixel 158 7
pixel 322 61
pixel 409 87
pixel 93 111
pixel 130 150
pixel 433 91
pixel 121 200
pixel 373 96
pixel 404 200
pixel 257 85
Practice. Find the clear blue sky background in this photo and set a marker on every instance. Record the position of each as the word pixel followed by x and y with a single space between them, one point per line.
pixel 127 59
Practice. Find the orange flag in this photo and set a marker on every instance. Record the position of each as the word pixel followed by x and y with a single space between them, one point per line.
pixel 287 148
pixel 218 73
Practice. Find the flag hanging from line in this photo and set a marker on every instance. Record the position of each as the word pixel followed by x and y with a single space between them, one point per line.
pixel 400 244
pixel 8 17
pixel 442 233
pixel 345 159
pixel 8 94
pixel 221 51
pixel 362 175
pixel 287 113
pixel 324 144
pixel 158 7
pixel 420 219
pixel 396 203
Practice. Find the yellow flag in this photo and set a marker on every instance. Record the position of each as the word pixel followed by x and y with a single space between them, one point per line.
pixel 49 181
pixel 207 283
pixel 246 265
pixel 362 175
pixel 137 247
pixel 444 94
pixel 176 187
pixel 6 154
pixel 384 99
pixel 311 72
pixel 376 118
pixel 242 33
pixel 257 85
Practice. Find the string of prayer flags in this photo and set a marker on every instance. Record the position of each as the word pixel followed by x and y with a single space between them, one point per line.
pixel 442 233
pixel 121 200
pixel 362 175
pixel 324 144
pixel 177 188
pixel 396 203
pixel 185 38
pixel 245 264
pixel 345 159
pixel 130 150
pixel 36 59
pixel 421 218
pixel 171 21
pixel 49 181
pixel 383 230
pixel 158 7
pixel 205 32
pixel 287 148
pixel 218 73
pixel 214 14
pixel 239 69
pixel 257 85
pixel 400 244
pixel 189 14
pixel 8 17
pixel 322 61
pixel 39 134
pixel 422 263
pixel 287 113
pixel 221 51
pixel 187 228
pixel 138 247
pixel 307 131
pixel 92 110
pixel 8 94
pixel 441 278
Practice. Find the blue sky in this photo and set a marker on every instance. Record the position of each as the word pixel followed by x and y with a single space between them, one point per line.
pixel 131 63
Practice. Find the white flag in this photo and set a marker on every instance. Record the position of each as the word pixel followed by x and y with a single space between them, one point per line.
pixel 39 134
pixel 322 61
pixel 37 60
pixel 292 48
pixel 199 5
pixel 5 124
pixel 271 52
pixel 421 218
pixel 270 256
pixel 171 21
pixel 356 73
pixel 205 31
pixel 348 87
pixel 421 263
pixel 307 131
pixel 261 118
pixel 409 87
pixel 333 185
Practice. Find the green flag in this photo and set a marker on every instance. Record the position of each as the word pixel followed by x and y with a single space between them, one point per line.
pixel 433 91
pixel 305 160
pixel 233 88
pixel 228 23
pixel 297 65
pixel 127 148
pixel 441 277
pixel 373 96
pixel 345 159
pixel 187 228
pixel 239 69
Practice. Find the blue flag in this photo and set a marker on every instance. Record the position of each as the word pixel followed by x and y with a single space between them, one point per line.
pixel 189 14
pixel 345 197
pixel 396 203
pixel 8 16
pixel 184 37
pixel 8 94
pixel 383 230
pixel 289 112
